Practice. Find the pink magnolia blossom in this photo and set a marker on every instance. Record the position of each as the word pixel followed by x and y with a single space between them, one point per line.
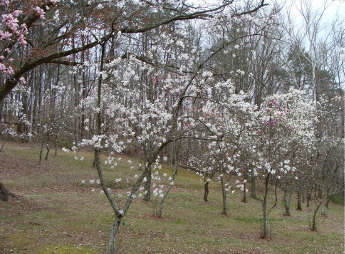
pixel 10 21
pixel 9 70
pixel 22 80
pixel 16 13
pixel 2 67
pixel 39 12
pixel 5 2
pixel 5 35
pixel 24 29
pixel 22 40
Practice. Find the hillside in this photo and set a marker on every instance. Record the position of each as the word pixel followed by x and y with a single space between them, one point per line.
pixel 56 213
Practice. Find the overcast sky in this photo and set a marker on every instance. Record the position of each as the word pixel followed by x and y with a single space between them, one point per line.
pixel 335 6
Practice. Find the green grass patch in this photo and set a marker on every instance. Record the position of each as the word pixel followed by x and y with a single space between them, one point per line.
pixel 337 199
pixel 65 249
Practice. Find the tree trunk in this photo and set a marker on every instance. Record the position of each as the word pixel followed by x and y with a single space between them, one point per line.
pixel 327 202
pixel 324 208
pixel 299 205
pixel 308 199
pixel 47 154
pixel 327 199
pixel 41 150
pixel 147 196
pixel 171 184
pixel 313 224
pixel 56 146
pixel 287 199
pixel 2 146
pixel 206 190
pixel 244 199
pixel 266 233
pixel 224 196
pixel 47 148
pixel 113 231
pixel 320 194
pixel 32 105
pixel 252 187
pixel 160 209
pixel 266 230
pixel 4 193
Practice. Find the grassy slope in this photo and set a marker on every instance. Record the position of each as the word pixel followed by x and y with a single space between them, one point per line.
pixel 60 215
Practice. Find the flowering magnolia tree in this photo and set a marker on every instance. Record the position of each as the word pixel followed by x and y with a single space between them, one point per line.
pixel 326 166
pixel 146 104
pixel 145 115
pixel 227 118
pixel 283 121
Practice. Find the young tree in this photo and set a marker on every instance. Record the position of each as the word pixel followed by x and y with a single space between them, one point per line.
pixel 285 120
pixel 327 174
